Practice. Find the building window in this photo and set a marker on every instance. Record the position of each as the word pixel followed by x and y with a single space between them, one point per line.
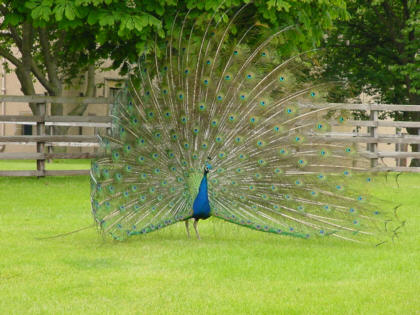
pixel 113 91
pixel 27 130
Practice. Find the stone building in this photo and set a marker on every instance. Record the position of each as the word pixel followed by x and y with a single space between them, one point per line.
pixel 107 84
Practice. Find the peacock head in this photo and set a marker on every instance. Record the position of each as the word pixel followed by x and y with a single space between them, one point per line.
pixel 207 166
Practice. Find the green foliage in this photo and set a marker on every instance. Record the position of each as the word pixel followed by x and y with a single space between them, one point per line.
pixel 132 26
pixel 377 50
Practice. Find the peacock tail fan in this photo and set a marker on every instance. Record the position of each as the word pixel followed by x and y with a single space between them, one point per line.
pixel 226 95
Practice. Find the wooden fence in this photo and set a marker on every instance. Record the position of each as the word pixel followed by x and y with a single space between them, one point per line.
pixel 44 142
pixel 372 137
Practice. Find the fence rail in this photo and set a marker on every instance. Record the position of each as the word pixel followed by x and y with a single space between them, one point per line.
pixel 44 141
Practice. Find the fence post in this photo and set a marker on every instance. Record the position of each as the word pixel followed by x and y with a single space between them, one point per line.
pixel 374 133
pixel 40 145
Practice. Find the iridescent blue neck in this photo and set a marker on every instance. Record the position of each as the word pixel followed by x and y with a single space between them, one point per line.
pixel 201 206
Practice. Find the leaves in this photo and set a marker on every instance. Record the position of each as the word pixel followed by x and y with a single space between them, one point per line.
pixel 377 62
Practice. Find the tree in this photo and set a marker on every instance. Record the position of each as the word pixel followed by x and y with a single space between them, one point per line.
pixel 59 39
pixel 377 51
pixel 41 53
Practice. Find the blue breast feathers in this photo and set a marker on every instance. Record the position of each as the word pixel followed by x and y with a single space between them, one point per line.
pixel 201 206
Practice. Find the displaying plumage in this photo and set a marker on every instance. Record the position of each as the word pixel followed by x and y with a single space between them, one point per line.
pixel 216 123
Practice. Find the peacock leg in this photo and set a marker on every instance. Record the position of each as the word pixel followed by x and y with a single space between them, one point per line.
pixel 196 228
pixel 187 227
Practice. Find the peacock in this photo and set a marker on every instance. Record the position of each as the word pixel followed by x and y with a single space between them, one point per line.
pixel 217 122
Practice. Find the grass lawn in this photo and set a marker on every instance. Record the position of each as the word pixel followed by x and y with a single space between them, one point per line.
pixel 232 270
pixel 24 165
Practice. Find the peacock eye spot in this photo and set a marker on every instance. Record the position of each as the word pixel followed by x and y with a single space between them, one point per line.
pixel 249 76
pixel 312 94
pixel 235 52
pixel 227 77
pixel 281 78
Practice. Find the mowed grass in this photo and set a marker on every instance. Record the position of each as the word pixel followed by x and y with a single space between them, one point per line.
pixel 232 270
pixel 24 165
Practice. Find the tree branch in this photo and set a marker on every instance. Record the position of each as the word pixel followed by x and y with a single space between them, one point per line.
pixel 50 63
pixel 41 78
pixel 90 91
pixel 6 54
pixel 16 37
pixel 90 84
pixel 13 31
pixel 27 43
